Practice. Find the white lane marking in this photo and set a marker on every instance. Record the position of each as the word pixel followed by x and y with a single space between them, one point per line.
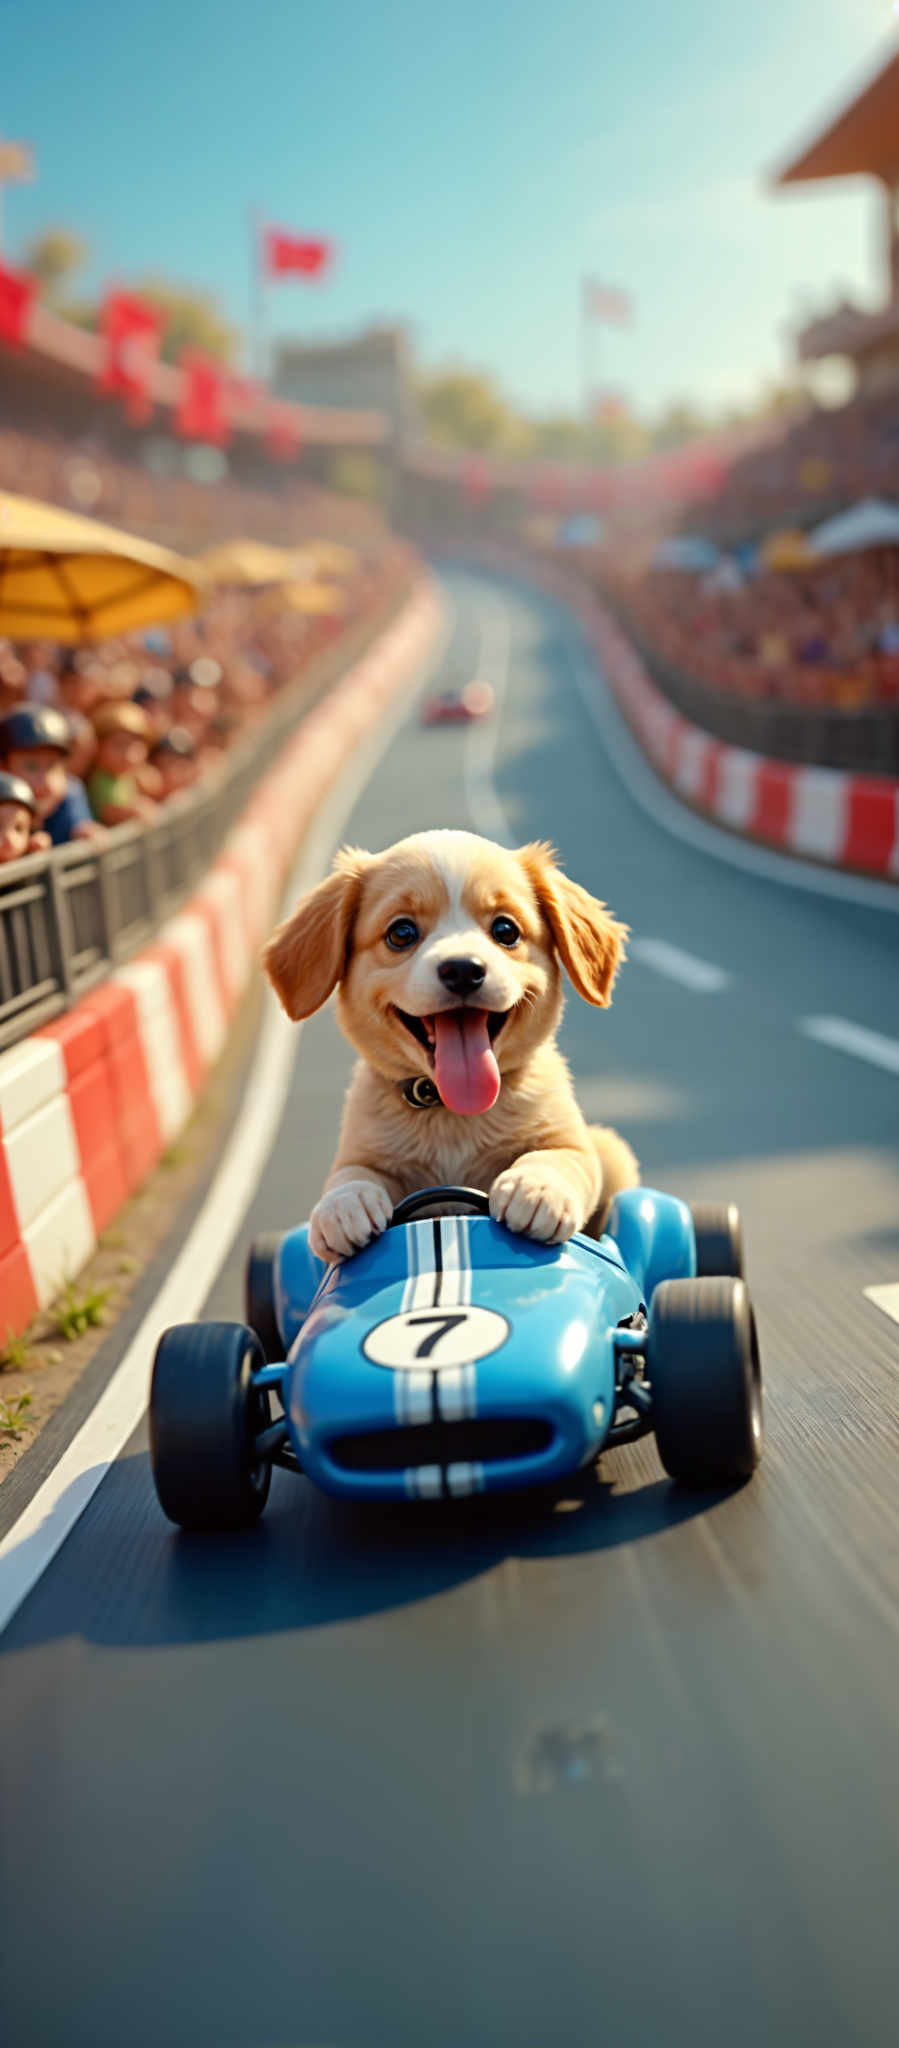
pixel 652 795
pixel 32 1542
pixel 843 1036
pixel 479 752
pixel 885 1297
pixel 686 968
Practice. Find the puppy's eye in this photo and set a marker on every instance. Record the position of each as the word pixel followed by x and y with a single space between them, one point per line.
pixel 401 933
pixel 505 931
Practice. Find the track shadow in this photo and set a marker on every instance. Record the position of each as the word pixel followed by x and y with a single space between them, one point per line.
pixel 311 1561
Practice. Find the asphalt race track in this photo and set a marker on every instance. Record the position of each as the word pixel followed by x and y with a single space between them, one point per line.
pixel 619 1770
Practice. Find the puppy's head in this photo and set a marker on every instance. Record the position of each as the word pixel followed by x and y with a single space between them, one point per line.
pixel 446 951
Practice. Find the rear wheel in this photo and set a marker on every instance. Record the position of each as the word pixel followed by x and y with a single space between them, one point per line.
pixel 259 1294
pixel 204 1417
pixel 719 1240
pixel 703 1365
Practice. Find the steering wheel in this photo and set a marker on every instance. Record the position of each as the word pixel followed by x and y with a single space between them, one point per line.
pixel 424 1198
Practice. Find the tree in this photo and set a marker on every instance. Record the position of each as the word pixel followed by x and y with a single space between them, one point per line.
pixel 193 320
pixel 55 257
pixel 463 409
pixel 679 423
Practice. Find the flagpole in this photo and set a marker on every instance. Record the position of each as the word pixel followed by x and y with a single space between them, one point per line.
pixel 257 295
pixel 587 352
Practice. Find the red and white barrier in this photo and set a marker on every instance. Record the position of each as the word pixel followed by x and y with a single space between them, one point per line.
pixel 89 1104
pixel 825 814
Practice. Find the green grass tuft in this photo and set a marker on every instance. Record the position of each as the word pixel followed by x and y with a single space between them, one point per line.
pixel 14 1356
pixel 12 1416
pixel 75 1313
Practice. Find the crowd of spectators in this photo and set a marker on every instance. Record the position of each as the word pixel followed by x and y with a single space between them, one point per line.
pixel 828 636
pixel 824 460
pixel 104 734
pixel 178 509
pixel 818 635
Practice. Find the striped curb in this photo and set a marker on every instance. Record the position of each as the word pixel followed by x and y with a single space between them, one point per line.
pixel 89 1104
pixel 826 814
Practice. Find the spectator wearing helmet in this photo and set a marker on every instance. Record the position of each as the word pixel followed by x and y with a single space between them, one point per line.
pixel 175 759
pixel 123 732
pixel 35 743
pixel 18 816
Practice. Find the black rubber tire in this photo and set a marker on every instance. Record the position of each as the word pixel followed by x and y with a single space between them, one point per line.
pixel 259 1294
pixel 204 1416
pixel 719 1240
pixel 702 1360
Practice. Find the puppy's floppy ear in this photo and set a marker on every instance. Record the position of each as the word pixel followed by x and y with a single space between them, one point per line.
pixel 589 942
pixel 306 957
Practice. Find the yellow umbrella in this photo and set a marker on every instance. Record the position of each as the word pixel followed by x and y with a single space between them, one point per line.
pixel 252 563
pixel 308 598
pixel 331 559
pixel 786 549
pixel 63 577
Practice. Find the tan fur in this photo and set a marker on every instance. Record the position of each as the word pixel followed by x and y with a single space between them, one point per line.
pixel 547 1172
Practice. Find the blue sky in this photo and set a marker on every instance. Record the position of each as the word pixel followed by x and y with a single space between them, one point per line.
pixel 472 163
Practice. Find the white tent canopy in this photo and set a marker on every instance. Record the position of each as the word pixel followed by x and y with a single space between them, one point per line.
pixel 871 524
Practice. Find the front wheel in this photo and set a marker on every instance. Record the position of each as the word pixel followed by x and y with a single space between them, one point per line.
pixel 205 1415
pixel 702 1360
pixel 718 1231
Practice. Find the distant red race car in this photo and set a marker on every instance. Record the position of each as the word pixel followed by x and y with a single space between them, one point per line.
pixel 458 707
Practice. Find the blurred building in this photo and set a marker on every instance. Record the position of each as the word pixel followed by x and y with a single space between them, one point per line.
pixel 863 141
pixel 372 370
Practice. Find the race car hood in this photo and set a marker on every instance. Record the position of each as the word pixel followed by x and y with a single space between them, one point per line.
pixel 456 1320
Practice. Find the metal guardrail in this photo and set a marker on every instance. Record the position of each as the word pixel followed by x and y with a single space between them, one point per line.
pixel 68 916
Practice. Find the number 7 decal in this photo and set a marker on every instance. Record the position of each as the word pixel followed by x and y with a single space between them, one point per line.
pixel 440 1326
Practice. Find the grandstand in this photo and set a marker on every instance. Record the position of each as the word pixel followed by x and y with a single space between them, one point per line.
pixel 64 439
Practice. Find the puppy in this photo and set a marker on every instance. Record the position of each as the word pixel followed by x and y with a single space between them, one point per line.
pixel 446 952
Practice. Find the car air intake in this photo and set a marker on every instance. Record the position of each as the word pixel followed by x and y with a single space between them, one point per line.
pixel 484 1440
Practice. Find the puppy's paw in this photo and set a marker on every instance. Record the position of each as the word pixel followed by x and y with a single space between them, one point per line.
pixel 537 1202
pixel 348 1218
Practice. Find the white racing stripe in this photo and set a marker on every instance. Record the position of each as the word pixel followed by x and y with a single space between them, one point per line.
pixel 424 1482
pixel 31 1543
pixel 412 1400
pixel 463 1478
pixel 843 1036
pixel 672 961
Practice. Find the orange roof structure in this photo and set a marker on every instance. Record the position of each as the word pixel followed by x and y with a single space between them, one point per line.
pixel 863 140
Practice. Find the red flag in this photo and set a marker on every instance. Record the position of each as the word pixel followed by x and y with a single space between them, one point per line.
pixel 296 255
pixel 17 295
pixel 283 437
pixel 131 332
pixel 200 414
pixel 603 302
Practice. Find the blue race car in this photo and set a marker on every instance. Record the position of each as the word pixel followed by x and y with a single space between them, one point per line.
pixel 454 1357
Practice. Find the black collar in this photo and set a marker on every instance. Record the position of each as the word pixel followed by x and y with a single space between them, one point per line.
pixel 421 1092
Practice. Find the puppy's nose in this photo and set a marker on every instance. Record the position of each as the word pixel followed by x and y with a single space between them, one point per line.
pixel 462 976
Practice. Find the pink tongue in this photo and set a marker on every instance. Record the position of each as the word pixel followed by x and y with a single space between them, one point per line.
pixel 465 1069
